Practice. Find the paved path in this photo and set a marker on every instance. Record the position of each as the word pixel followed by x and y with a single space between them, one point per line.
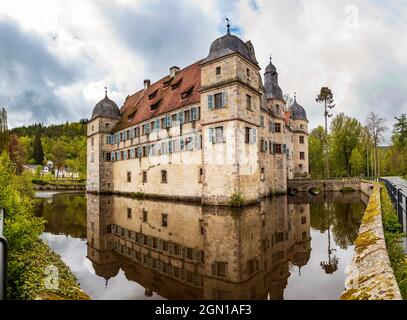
pixel 398 181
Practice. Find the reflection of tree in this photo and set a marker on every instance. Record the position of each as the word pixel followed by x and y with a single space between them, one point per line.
pixel 346 224
pixel 332 264
pixel 65 215
pixel 343 217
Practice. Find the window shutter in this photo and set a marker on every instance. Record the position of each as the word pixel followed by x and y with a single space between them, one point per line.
pixel 194 114
pixel 224 98
pixel 181 117
pixel 252 136
pixel 124 136
pixel 169 146
pixel 112 156
pixel 211 135
pixel 265 146
pixel 181 143
pixel 284 148
pixel 274 148
pixel 168 122
pixel 210 102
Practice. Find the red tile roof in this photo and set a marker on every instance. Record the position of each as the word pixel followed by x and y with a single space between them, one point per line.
pixel 169 98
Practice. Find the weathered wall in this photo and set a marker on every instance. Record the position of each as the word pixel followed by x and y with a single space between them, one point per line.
pixel 370 274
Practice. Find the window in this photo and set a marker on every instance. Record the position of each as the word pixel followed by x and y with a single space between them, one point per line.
pixel 304 235
pixel 302 155
pixel 164 220
pixel 152 95
pixel 248 73
pixel 93 128
pixel 218 70
pixel 200 179
pixel 92 157
pixel 248 102
pixel 187 93
pixel 129 176
pixel 187 115
pixel 277 127
pixel 218 101
pixel 109 156
pixel 247 135
pixel 277 148
pixel 301 126
pixel 144 176
pixel 302 139
pixel 262 175
pixel 145 215
pixel 217 135
pixel 262 121
pixel 219 269
pixel 303 220
pixel 277 108
pixel 129 213
pixel 155 105
pixel 164 176
pixel 92 141
pixel 201 226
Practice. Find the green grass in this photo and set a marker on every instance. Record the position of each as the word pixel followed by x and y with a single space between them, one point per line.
pixel 393 234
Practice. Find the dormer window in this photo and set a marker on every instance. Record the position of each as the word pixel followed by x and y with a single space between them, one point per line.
pixel 131 116
pixel 218 71
pixel 167 83
pixel 152 95
pixel 176 84
pixel 187 93
pixel 155 105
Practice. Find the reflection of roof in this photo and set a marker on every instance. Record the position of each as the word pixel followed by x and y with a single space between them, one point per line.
pixel 165 96
pixel 107 271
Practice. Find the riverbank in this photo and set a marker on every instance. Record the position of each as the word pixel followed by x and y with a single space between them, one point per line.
pixel 371 276
pixel 40 274
pixel 58 185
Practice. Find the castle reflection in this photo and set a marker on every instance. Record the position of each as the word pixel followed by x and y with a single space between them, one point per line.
pixel 187 251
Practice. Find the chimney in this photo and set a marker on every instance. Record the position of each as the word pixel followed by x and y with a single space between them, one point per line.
pixel 147 83
pixel 173 71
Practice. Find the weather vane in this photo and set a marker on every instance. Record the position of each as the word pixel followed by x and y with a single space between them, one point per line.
pixel 106 91
pixel 228 25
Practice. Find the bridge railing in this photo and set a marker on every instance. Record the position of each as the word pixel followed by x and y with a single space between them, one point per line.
pixel 399 198
pixel 3 258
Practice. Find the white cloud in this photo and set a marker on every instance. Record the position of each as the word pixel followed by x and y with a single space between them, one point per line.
pixel 119 43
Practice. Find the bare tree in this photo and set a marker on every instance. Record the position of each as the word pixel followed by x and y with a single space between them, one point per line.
pixel 375 126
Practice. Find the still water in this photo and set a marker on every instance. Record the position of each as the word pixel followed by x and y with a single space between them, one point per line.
pixel 283 248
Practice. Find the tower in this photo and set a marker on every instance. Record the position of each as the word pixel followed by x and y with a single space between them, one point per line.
pixel 105 116
pixel 230 114
pixel 300 139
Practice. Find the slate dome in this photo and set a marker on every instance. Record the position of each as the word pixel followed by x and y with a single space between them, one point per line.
pixel 106 108
pixel 229 44
pixel 297 111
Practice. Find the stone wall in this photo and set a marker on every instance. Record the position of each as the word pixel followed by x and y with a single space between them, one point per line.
pixel 370 276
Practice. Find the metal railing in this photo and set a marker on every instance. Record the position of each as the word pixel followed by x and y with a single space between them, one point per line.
pixel 399 198
pixel 3 258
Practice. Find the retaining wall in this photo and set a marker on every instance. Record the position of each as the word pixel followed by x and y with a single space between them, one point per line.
pixel 370 276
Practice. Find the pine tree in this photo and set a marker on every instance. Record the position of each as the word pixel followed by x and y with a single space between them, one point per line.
pixel 38 152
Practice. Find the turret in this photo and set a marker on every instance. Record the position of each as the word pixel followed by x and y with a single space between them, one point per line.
pixel 105 116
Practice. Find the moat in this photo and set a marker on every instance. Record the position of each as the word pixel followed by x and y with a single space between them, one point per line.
pixel 122 248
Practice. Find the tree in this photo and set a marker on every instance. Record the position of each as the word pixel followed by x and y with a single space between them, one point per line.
pixel 316 143
pixel 38 152
pixel 3 129
pixel 357 162
pixel 345 137
pixel 17 153
pixel 376 128
pixel 325 96
pixel 59 155
pixel 399 137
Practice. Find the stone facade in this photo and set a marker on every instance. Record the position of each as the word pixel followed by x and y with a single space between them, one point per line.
pixel 218 137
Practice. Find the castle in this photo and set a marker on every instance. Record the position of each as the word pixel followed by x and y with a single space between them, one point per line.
pixel 211 132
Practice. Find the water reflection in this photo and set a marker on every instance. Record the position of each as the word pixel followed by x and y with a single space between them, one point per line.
pixel 186 251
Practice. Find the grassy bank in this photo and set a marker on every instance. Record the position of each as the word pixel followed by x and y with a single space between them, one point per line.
pixel 393 234
pixel 29 257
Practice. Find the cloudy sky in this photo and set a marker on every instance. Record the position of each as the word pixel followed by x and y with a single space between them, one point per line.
pixel 56 56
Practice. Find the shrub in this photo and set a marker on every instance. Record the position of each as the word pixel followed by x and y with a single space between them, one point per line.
pixel 236 200
pixel 393 234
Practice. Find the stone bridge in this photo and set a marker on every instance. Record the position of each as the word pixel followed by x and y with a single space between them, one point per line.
pixel 302 185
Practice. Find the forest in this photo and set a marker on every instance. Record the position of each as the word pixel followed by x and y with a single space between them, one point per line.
pixel 64 145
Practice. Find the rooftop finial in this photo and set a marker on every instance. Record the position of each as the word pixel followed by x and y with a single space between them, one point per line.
pixel 270 57
pixel 105 92
pixel 228 25
pixel 295 96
